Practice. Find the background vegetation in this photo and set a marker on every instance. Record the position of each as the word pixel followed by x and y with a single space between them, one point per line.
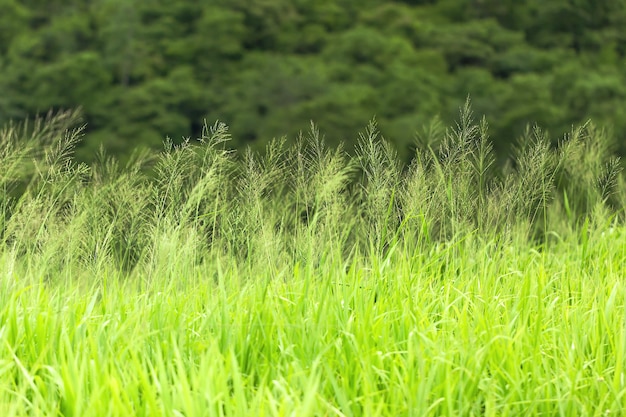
pixel 143 69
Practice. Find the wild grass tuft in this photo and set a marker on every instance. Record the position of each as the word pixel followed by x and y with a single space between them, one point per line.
pixel 307 281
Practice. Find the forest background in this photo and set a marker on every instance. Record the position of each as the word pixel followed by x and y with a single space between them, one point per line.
pixel 145 69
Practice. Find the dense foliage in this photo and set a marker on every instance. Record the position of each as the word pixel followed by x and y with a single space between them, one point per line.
pixel 145 69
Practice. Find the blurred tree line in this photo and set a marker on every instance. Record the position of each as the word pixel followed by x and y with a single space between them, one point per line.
pixel 144 69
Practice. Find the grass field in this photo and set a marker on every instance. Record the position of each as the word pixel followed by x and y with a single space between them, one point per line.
pixel 306 282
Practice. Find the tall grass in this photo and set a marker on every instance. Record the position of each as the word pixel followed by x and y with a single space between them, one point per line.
pixel 305 281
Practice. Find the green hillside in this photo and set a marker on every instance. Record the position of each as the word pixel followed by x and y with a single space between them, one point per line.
pixel 145 69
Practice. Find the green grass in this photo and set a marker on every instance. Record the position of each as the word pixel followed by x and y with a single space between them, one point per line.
pixel 306 282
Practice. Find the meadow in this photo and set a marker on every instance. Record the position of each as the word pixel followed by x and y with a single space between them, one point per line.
pixel 308 281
